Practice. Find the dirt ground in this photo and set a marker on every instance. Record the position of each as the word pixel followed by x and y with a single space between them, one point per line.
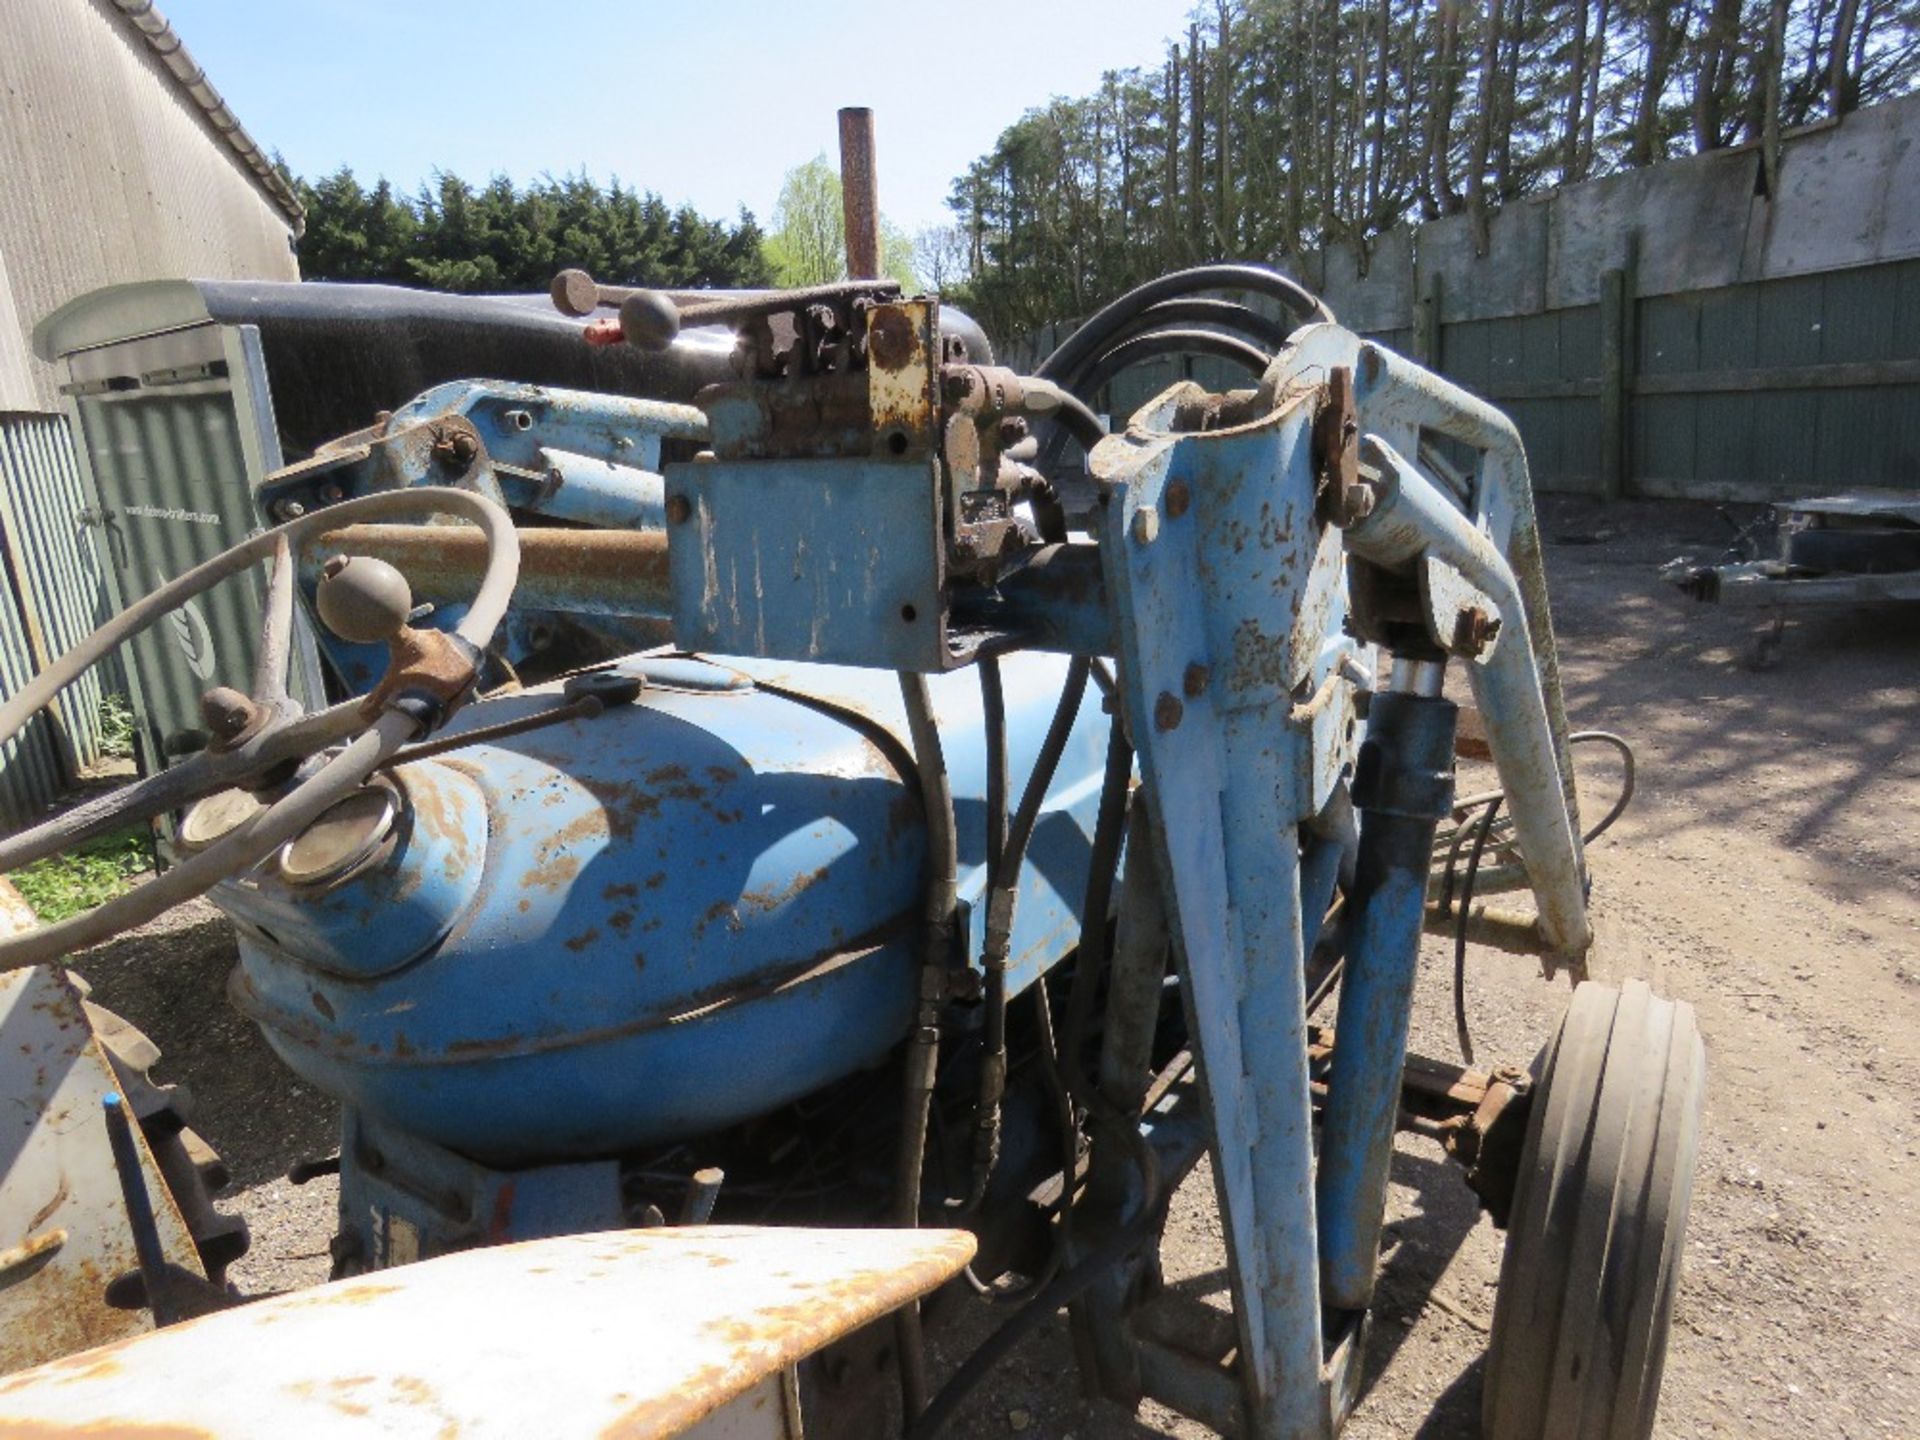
pixel 1769 872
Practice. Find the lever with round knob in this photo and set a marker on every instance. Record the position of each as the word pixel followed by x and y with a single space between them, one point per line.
pixel 363 600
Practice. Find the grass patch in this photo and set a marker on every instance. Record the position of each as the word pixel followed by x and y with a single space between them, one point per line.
pixel 116 728
pixel 87 875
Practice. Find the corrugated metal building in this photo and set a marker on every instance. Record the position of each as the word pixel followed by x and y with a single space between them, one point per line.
pixel 118 162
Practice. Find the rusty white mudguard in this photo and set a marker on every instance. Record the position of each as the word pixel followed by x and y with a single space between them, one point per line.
pixel 688 1331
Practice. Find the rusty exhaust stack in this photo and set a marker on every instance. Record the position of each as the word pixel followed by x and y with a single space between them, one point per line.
pixel 859 193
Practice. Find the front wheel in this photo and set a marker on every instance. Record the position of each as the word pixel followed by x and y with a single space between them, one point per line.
pixel 1586 1291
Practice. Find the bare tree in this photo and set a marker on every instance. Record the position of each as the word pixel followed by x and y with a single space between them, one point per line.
pixel 1841 94
pixel 1713 74
pixel 1444 87
pixel 1666 31
pixel 1196 143
pixel 1377 143
pixel 1774 65
pixel 1485 102
pixel 1273 126
pixel 941 257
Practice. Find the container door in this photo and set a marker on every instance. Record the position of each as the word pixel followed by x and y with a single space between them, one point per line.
pixel 176 430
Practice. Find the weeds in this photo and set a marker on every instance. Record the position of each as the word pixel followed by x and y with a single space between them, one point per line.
pixel 116 728
pixel 87 875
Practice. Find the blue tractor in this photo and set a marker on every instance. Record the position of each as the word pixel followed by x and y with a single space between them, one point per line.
pixel 867 791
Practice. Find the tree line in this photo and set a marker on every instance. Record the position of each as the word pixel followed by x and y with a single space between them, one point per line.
pixel 1282 125
pixel 452 235
pixel 500 238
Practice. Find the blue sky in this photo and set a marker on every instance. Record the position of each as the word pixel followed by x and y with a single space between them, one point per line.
pixel 708 101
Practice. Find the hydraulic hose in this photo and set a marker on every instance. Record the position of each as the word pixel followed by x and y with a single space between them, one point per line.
pixel 1076 417
pixel 1109 834
pixel 1148 345
pixel 923 1048
pixel 1064 1288
pixel 1154 343
pixel 1002 901
pixel 1226 315
pixel 1100 331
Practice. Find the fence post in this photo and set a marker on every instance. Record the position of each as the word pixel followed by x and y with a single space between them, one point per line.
pixel 1426 324
pixel 1616 380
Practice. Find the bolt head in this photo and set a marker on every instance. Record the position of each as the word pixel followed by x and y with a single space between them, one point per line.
pixel 1194 682
pixel 1474 630
pixel 455 448
pixel 227 712
pixel 1179 497
pixel 959 384
pixel 679 509
pixel 1168 711
pixel 1146 525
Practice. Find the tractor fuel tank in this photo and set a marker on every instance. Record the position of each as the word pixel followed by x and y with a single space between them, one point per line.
pixel 648 923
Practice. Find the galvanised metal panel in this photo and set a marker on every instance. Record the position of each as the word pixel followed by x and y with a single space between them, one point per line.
pixel 1728 326
pixel 17 383
pixel 1857 316
pixel 1723 437
pixel 1790 314
pixel 1662 443
pixel 1781 428
pixel 169 470
pixel 1667 335
pixel 1906 299
pixel 56 572
pixel 1579 342
pixel 1467 347
pixel 30 777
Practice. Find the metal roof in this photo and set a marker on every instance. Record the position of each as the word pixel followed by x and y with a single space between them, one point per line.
pixel 166 43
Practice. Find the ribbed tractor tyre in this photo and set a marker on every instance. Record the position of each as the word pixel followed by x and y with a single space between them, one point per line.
pixel 1585 1301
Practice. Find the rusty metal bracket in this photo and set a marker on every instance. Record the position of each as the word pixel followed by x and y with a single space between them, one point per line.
pixel 430 674
pixel 1478 1116
pixel 1341 496
pixel 1488 1142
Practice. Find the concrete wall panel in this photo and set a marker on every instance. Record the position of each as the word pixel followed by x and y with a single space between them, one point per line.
pixel 1379 299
